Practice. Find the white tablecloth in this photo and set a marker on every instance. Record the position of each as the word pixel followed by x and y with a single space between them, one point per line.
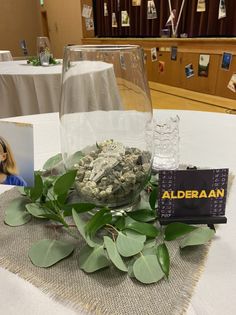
pixel 206 139
pixel 26 89
pixel 5 55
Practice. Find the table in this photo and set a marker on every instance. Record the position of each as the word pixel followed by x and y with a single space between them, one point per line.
pixel 206 139
pixel 26 89
pixel 5 55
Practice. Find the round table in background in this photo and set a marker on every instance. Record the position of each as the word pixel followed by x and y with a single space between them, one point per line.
pixel 5 55
pixel 27 89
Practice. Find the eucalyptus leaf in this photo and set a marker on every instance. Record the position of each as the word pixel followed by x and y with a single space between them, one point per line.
pixel 74 159
pixel 130 268
pixel 52 162
pixel 149 250
pixel 136 235
pixel 164 258
pixel 41 212
pixel 46 253
pixel 150 243
pixel 16 213
pixel 98 220
pixel 64 182
pixel 114 254
pixel 128 246
pixel 36 210
pixel 61 199
pixel 177 229
pixel 35 192
pixel 143 203
pixel 143 215
pixel 147 269
pixel 153 180
pixel 153 198
pixel 49 181
pixel 21 189
pixel 78 207
pixel 143 228
pixel 93 259
pixel 50 204
pixel 199 236
pixel 119 223
pixel 54 217
pixel 80 224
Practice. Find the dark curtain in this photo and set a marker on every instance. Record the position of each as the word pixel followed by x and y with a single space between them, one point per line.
pixel 195 24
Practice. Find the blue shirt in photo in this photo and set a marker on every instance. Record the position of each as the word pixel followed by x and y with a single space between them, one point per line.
pixel 14 180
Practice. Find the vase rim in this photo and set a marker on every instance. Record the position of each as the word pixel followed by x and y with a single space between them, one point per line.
pixel 111 47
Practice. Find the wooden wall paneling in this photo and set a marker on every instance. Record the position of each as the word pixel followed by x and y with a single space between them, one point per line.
pixel 149 65
pixel 189 51
pixel 198 83
pixel 167 71
pixel 198 45
pixel 223 79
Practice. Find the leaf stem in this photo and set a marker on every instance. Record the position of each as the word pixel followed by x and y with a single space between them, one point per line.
pixel 59 225
pixel 68 230
pixel 112 227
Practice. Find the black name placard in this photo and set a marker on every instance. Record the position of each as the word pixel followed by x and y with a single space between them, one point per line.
pixel 192 196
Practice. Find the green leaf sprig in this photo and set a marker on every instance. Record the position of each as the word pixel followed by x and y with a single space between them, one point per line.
pixel 35 61
pixel 133 242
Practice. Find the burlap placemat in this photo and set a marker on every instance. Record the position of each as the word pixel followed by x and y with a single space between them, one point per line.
pixel 108 291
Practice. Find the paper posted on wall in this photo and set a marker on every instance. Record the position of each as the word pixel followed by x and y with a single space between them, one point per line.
pixel 203 65
pixel 222 10
pixel 232 83
pixel 189 72
pixel 136 3
pixel 124 18
pixel 173 53
pixel 201 6
pixel 87 10
pixel 113 20
pixel 151 10
pixel 154 54
pixel 105 9
pixel 89 24
pixel 226 60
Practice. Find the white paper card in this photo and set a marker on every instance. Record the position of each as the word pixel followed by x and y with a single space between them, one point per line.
pixel 87 10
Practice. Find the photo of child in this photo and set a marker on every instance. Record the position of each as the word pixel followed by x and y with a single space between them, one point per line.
pixel 16 154
pixel 8 169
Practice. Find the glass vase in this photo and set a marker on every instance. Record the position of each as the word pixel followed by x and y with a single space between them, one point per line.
pixel 106 122
pixel 44 50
